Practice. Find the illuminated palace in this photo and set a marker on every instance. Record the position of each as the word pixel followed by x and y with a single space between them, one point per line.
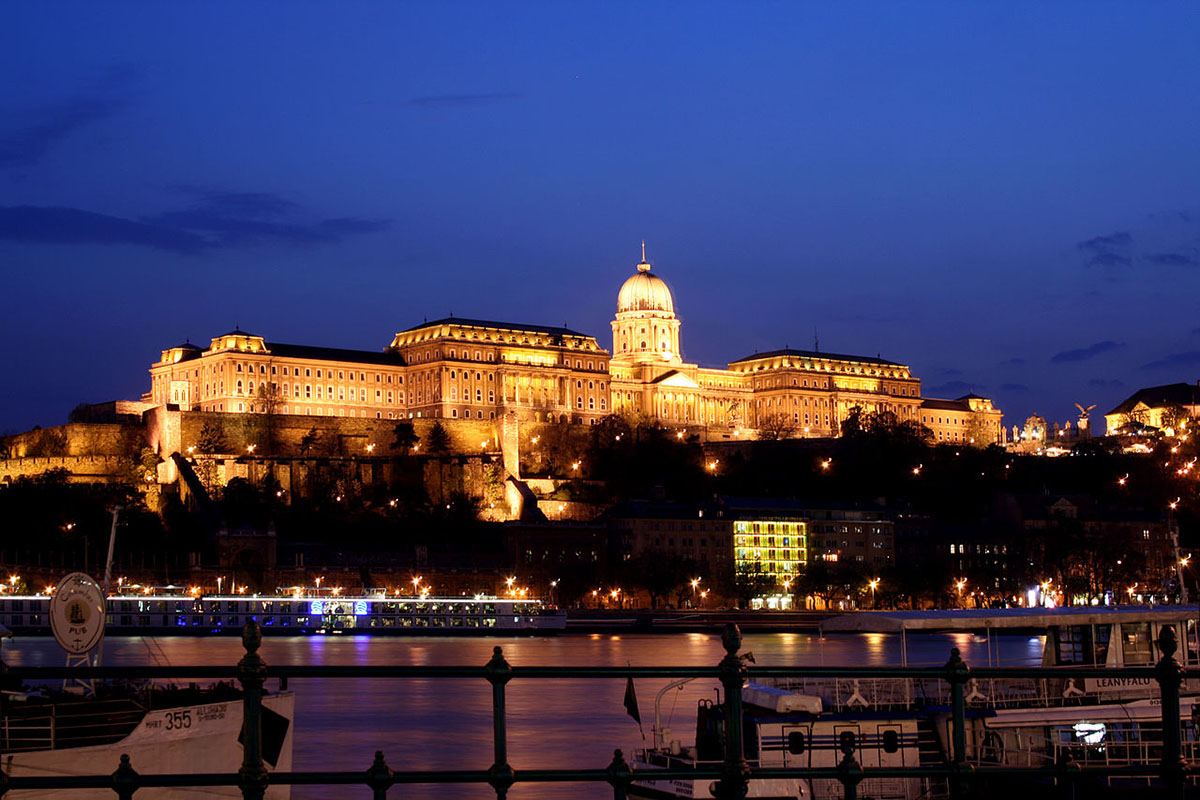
pixel 477 369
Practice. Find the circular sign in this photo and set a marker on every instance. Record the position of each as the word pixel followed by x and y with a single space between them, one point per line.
pixel 77 613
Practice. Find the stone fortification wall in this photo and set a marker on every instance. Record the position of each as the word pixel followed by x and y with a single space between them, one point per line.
pixel 83 469
pixel 75 439
pixel 336 436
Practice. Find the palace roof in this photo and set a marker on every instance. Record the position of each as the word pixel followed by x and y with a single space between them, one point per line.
pixel 466 322
pixel 1171 394
pixel 960 404
pixel 818 356
pixel 386 359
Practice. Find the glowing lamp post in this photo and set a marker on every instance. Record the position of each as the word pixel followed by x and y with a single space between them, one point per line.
pixel 873 584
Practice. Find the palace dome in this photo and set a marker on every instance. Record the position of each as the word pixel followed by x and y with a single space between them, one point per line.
pixel 645 291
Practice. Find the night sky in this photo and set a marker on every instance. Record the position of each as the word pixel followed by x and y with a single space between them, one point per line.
pixel 1005 196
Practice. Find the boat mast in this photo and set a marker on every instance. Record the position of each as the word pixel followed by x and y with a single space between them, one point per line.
pixel 112 539
pixel 660 740
pixel 108 562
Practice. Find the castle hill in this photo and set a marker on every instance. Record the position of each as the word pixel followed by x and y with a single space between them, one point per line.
pixel 566 401
pixel 493 457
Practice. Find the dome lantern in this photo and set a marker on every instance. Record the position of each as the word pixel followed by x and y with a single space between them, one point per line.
pixel 645 291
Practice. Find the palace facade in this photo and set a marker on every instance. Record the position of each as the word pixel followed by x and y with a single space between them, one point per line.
pixel 478 369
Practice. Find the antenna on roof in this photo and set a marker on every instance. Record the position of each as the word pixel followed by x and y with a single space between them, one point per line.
pixel 816 341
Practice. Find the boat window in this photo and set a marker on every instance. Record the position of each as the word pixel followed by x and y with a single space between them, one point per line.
pixel 1074 644
pixel 1189 649
pixel 1135 643
pixel 1103 633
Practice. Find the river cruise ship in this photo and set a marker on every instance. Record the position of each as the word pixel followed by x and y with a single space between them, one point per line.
pixel 297 614
pixel 899 722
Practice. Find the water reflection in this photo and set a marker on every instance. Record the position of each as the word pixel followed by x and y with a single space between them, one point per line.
pixel 446 723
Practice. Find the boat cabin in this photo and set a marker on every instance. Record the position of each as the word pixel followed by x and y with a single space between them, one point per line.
pixel 1100 636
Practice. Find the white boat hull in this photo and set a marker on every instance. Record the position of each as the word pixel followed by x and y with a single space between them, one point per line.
pixel 200 738
pixel 701 788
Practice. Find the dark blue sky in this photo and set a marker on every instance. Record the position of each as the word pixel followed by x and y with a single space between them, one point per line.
pixel 1005 196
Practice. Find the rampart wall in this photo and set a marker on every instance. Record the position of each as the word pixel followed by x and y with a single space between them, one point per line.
pixel 83 469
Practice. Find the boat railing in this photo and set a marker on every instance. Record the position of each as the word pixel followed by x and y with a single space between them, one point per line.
pixel 37 725
pixel 966 764
pixel 892 694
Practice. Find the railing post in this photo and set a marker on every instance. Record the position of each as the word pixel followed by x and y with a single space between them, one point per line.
pixel 124 779
pixel 619 775
pixel 957 675
pixel 500 774
pixel 1071 772
pixel 851 771
pixel 379 777
pixel 735 772
pixel 252 777
pixel 1170 678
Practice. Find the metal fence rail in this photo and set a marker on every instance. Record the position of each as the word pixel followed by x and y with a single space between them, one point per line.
pixel 732 777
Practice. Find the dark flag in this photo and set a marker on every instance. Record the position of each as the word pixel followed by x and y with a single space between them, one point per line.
pixel 631 706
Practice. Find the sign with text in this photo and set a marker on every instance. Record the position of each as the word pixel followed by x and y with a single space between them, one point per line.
pixel 77 613
pixel 1107 685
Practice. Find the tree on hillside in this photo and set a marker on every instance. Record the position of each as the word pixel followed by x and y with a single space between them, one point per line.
pixel 775 426
pixel 309 440
pixel 268 400
pixel 211 440
pixel 439 440
pixel 404 437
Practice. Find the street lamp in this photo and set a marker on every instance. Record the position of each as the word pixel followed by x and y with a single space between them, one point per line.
pixel 873 583
pixel 959 585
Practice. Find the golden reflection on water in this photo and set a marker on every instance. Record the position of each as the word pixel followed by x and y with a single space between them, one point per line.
pixel 562 723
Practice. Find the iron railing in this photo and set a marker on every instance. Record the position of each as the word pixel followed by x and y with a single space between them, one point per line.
pixel 731 777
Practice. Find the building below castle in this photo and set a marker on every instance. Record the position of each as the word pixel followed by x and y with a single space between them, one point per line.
pixel 478 369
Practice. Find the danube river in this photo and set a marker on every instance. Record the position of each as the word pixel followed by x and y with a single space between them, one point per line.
pixel 447 723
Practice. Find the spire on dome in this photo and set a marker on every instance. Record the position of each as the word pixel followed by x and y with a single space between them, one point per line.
pixel 644 266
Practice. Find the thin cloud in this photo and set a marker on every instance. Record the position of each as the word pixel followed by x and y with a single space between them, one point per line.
pixel 57 225
pixel 1084 353
pixel 434 101
pixel 1014 387
pixel 950 372
pixel 1012 362
pixel 1189 358
pixel 1188 259
pixel 29 143
pixel 218 220
pixel 1101 383
pixel 954 388
pixel 254 218
pixel 1173 215
pixel 1109 252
